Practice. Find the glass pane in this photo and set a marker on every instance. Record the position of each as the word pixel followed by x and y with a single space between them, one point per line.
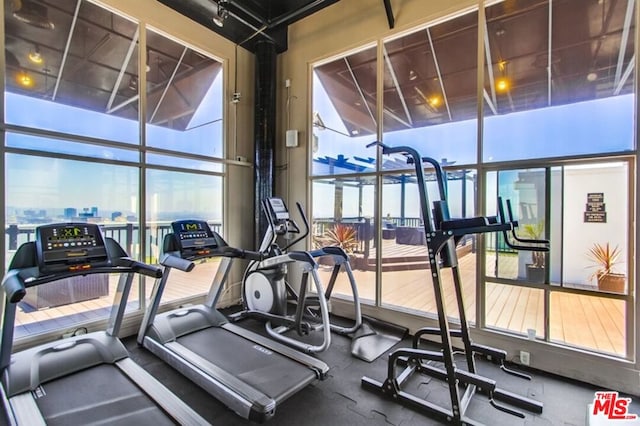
pixel 182 162
pixel 45 190
pixel 525 190
pixel 82 89
pixel 404 258
pixel 595 232
pixel 344 111
pixel 184 98
pixel 16 140
pixel 174 196
pixel 346 204
pixel 515 308
pixel 591 322
pixel 542 95
pixel 430 91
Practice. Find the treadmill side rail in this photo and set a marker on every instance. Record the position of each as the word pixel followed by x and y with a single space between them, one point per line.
pixel 26 411
pixel 53 360
pixel 171 404
pixel 319 366
pixel 201 376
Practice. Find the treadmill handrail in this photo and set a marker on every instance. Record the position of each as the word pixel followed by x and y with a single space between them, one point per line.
pixel 173 260
pixel 28 277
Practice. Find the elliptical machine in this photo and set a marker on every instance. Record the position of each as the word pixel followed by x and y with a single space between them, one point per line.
pixel 268 296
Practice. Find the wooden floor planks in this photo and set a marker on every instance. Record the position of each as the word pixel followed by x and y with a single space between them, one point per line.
pixel 584 321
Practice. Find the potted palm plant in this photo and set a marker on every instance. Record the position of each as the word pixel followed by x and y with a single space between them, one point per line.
pixel 339 235
pixel 536 269
pixel 604 259
pixel 342 236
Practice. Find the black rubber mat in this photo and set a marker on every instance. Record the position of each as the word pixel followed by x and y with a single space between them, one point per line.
pixel 375 338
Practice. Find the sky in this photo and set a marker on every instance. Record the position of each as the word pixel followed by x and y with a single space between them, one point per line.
pixel 45 183
pixel 597 126
pixel 556 131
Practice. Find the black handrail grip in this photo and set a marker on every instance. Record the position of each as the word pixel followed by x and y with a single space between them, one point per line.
pixel 520 239
pixel 306 227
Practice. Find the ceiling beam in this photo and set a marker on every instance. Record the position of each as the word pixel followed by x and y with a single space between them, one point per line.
pixel 123 68
pixel 435 62
pixel 389 12
pixel 396 84
pixel 623 41
pixel 625 76
pixel 364 99
pixel 66 49
pixel 489 101
pixel 294 14
pixel 549 51
pixel 492 83
pixel 166 88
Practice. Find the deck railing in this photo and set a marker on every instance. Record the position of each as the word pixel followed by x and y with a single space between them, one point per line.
pixel 126 234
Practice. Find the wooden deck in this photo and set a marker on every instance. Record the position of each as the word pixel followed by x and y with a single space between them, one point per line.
pixel 584 321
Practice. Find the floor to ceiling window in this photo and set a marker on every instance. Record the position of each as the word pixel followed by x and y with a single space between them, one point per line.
pixel 555 139
pixel 344 123
pixel 429 105
pixel 73 150
pixel 559 87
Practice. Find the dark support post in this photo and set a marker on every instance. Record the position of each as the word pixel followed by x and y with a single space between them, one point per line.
pixel 389 11
pixel 13 237
pixel 264 131
pixel 129 239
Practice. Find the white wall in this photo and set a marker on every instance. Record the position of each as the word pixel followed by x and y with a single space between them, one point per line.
pixel 579 237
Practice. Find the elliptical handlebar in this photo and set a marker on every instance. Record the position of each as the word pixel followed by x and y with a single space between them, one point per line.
pixel 306 227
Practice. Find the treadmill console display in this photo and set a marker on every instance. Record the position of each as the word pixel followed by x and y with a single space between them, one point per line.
pixel 195 237
pixel 278 209
pixel 70 247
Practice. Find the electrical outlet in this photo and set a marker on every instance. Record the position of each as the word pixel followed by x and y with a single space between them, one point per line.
pixel 525 358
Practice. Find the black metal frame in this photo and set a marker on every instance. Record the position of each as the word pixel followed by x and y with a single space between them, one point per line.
pixel 442 234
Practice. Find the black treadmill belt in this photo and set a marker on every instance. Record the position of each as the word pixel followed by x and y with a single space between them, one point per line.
pixel 98 395
pixel 267 371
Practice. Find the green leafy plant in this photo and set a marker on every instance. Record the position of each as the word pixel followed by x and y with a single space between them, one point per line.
pixel 535 231
pixel 604 258
pixel 342 236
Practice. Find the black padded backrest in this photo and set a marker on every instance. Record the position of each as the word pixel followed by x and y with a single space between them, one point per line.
pixel 114 250
pixel 25 256
pixel 170 243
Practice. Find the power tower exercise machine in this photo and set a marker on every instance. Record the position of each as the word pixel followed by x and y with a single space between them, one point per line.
pixel 442 234
pixel 267 295
pixel 84 379
pixel 249 373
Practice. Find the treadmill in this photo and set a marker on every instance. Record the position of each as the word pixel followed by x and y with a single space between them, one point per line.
pixel 249 373
pixel 88 378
